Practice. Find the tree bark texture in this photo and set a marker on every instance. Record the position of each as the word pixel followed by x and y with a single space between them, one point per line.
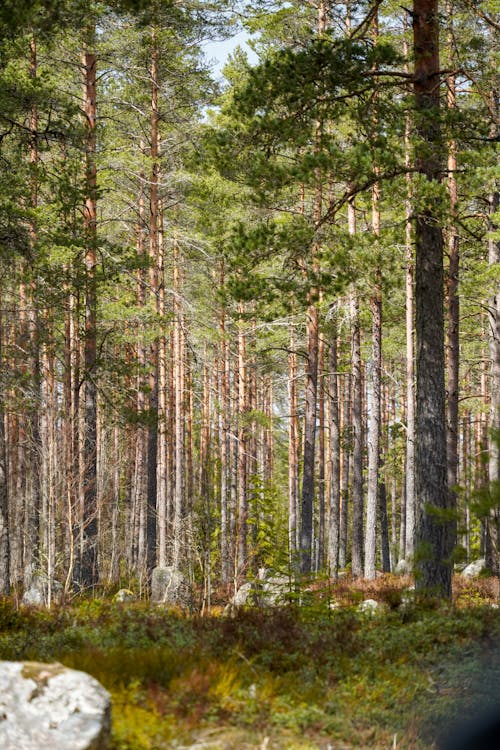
pixel 89 563
pixel 434 529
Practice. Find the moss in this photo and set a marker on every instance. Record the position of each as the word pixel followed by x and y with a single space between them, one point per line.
pixel 41 673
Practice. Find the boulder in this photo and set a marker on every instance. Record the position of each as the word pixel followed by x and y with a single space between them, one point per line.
pixel 243 597
pixel 274 591
pixel 124 595
pixel 266 591
pixel 474 568
pixel 36 593
pixel 169 586
pixel 49 706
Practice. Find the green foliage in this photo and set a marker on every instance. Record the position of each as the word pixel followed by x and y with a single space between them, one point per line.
pixel 290 673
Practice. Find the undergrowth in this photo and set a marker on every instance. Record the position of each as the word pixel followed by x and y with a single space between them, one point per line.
pixel 308 677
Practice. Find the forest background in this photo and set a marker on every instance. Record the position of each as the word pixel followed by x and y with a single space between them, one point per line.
pixel 208 293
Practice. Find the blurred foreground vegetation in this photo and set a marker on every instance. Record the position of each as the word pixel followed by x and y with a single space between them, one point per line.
pixel 316 676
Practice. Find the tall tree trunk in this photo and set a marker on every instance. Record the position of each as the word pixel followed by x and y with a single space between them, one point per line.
pixel 89 564
pixel 345 466
pixel 242 449
pixel 179 459
pixel 162 433
pixel 320 555
pixel 493 523
pixel 407 537
pixel 452 298
pixel 32 499
pixel 306 527
pixel 357 425
pixel 312 336
pixel 293 451
pixel 334 458
pixel 225 447
pixel 4 494
pixel 154 251
pixel 376 370
pixel 434 535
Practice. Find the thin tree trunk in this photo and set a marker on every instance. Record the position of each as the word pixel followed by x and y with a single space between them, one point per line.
pixel 242 449
pixel 345 466
pixel 334 459
pixel 225 448
pixel 306 528
pixel 321 455
pixel 89 563
pixel 453 303
pixel 357 426
pixel 4 493
pixel 293 452
pixel 492 550
pixel 154 253
pixel 407 537
pixel 162 434
pixel 376 370
pixel 434 531
pixel 179 475
pixel 34 448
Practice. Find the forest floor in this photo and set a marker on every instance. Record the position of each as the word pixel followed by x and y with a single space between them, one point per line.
pixel 289 678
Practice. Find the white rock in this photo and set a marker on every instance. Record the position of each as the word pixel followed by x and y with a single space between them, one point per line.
pixel 37 592
pixel 369 606
pixel 169 586
pixel 474 568
pixel 275 590
pixel 49 706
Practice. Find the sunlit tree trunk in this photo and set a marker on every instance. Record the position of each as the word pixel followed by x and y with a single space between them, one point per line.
pixel 33 453
pixel 452 298
pixel 492 550
pixel 407 536
pixel 320 542
pixel 434 531
pixel 334 458
pixel 162 435
pixel 345 469
pixel 242 448
pixel 89 572
pixel 4 494
pixel 179 414
pixel 293 450
pixel 376 372
pixel 150 513
pixel 357 424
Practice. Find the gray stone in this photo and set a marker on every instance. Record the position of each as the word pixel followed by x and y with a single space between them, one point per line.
pixel 403 568
pixel 124 595
pixel 37 592
pixel 474 568
pixel 169 586
pixel 49 706
pixel 274 591
pixel 243 597
pixel 266 591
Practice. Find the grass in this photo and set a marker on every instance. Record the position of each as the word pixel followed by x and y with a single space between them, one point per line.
pixel 307 677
